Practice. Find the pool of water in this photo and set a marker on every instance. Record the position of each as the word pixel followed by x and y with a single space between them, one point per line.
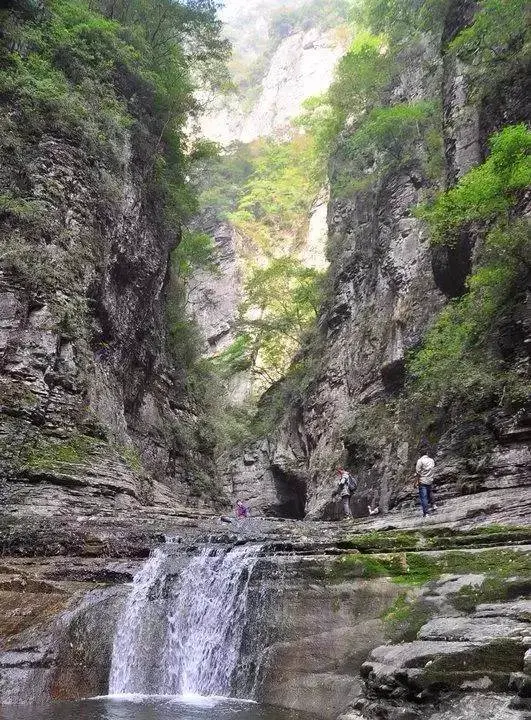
pixel 151 708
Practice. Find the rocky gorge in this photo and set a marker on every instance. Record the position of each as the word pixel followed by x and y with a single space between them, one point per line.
pixel 111 485
pixel 386 285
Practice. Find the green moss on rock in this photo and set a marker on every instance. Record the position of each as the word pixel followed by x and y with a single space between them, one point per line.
pixel 52 454
pixel 436 538
pixel 492 589
pixel 418 568
pixel 131 457
pixel 405 617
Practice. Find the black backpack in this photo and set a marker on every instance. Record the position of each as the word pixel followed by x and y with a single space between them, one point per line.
pixel 352 483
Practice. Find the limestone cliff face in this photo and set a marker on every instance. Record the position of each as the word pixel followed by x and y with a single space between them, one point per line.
pixel 301 66
pixel 92 416
pixel 386 284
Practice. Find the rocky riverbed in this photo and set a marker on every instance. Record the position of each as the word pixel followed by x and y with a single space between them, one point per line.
pixel 388 617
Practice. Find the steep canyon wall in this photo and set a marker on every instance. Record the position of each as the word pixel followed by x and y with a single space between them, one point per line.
pixel 386 284
pixel 93 413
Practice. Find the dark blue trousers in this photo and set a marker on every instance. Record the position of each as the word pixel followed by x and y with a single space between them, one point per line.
pixel 426 497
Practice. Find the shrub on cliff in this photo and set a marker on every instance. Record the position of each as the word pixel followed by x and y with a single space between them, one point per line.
pixel 487 191
pixel 89 71
pixel 495 43
pixel 463 353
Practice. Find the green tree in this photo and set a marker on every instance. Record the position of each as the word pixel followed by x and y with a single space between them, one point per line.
pixel 274 207
pixel 460 356
pixel 282 302
pixel 487 191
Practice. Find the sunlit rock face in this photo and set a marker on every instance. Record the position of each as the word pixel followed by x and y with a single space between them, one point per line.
pixel 302 66
pixel 386 286
pixel 214 296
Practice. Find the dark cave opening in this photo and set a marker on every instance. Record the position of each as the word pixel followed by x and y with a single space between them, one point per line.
pixel 291 495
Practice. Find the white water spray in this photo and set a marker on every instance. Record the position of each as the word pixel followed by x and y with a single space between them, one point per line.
pixel 204 621
pixel 127 651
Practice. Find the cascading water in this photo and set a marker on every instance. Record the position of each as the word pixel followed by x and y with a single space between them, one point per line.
pixel 207 621
pixel 127 659
pixel 202 617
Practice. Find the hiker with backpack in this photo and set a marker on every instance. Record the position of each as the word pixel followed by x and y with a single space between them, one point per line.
pixel 347 485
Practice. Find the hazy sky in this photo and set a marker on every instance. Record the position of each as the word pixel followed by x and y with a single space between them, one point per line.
pixel 234 7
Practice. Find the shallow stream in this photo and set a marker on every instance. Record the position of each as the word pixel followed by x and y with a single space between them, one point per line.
pixel 145 708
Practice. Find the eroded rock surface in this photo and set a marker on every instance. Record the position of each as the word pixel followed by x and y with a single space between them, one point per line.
pixel 386 286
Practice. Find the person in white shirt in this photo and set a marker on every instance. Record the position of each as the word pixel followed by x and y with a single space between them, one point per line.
pixel 424 481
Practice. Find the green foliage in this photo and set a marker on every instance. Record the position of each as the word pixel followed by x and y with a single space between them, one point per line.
pixel 282 301
pixel 360 78
pixel 90 72
pixel 52 455
pixel 380 137
pixel 271 211
pixel 496 43
pixel 384 140
pixel 131 457
pixel 324 14
pixel 487 191
pixel 237 357
pixel 389 129
pixel 458 357
pixel 277 197
pixel 361 75
pixel 400 19
pixel 196 251
pixel 222 179
pixel 20 209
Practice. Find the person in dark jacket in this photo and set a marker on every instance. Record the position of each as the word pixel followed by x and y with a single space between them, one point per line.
pixel 344 490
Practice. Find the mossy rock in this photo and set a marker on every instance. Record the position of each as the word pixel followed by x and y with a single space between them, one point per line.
pixel 417 568
pixel 407 568
pixel 492 589
pixel 499 657
pixel 436 538
pixel 49 455
pixel 405 617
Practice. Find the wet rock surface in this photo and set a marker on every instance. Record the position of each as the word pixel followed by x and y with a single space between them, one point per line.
pixel 387 615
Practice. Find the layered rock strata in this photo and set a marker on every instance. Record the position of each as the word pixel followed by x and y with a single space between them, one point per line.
pixel 92 413
pixel 386 285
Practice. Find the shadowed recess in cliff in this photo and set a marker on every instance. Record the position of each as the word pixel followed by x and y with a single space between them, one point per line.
pixel 291 495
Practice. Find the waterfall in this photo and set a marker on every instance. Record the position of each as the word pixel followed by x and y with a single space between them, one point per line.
pixel 201 620
pixel 127 658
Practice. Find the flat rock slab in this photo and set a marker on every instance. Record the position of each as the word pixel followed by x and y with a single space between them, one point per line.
pixel 413 654
pixel 472 629
pixel 520 610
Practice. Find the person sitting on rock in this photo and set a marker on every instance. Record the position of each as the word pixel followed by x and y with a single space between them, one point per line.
pixel 242 511
pixel 347 485
pixel 424 481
